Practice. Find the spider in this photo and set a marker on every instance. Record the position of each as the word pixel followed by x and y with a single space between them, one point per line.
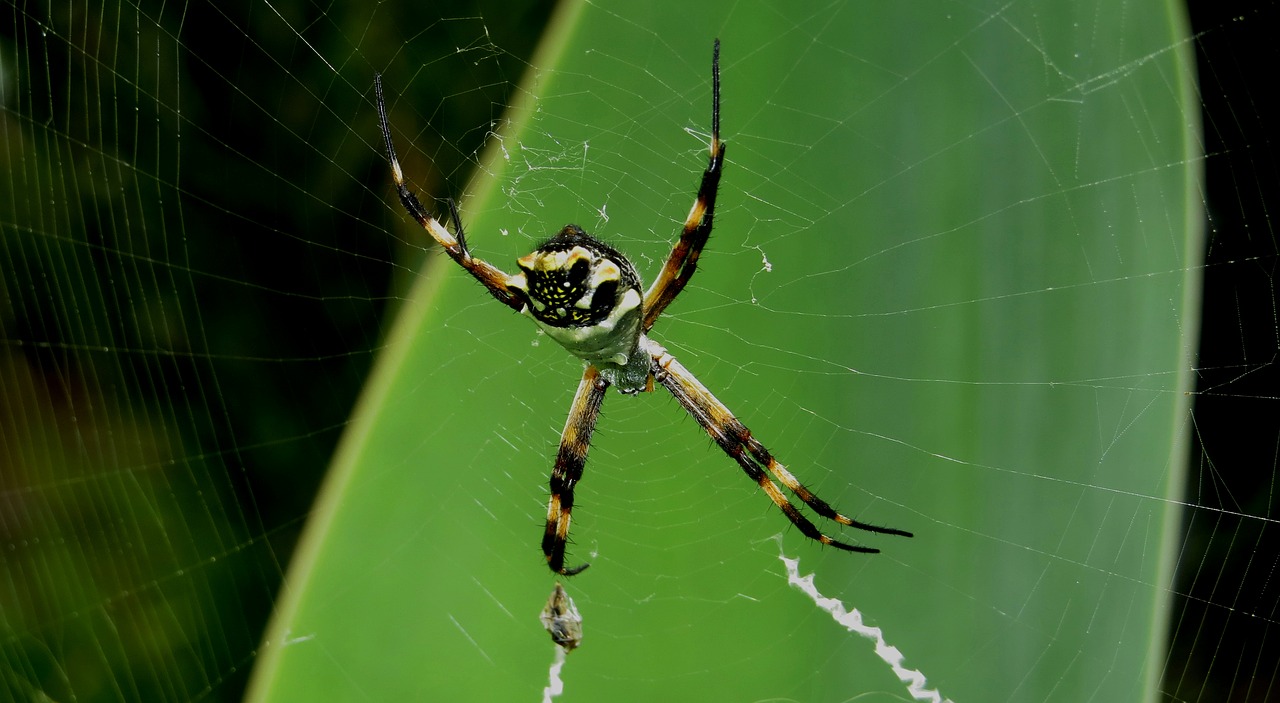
pixel 587 296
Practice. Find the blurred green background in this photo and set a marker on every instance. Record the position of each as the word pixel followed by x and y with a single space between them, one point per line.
pixel 202 259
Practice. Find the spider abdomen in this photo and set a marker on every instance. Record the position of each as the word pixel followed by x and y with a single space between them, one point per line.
pixel 585 295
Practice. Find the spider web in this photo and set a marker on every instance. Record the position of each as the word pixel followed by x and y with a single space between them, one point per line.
pixel 202 260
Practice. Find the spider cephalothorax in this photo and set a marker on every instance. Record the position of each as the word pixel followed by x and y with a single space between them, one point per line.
pixel 586 295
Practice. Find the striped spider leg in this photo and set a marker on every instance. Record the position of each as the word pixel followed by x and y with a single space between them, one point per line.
pixel 489 275
pixel 586 296
pixel 737 441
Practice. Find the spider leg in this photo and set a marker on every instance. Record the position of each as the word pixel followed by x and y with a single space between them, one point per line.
pixel 683 260
pixel 736 441
pixel 572 456
pixel 493 278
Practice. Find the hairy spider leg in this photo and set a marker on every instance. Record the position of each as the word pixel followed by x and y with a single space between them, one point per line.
pixel 575 441
pixel 736 440
pixel 493 278
pixel 683 260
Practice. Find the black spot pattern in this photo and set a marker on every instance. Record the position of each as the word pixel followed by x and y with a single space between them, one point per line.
pixel 559 290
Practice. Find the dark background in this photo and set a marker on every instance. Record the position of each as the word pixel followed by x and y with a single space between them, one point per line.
pixel 1229 561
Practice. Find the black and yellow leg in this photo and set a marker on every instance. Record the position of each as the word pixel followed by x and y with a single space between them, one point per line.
pixel 575 441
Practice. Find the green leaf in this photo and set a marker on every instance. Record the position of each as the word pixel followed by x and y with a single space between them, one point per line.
pixel 952 285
